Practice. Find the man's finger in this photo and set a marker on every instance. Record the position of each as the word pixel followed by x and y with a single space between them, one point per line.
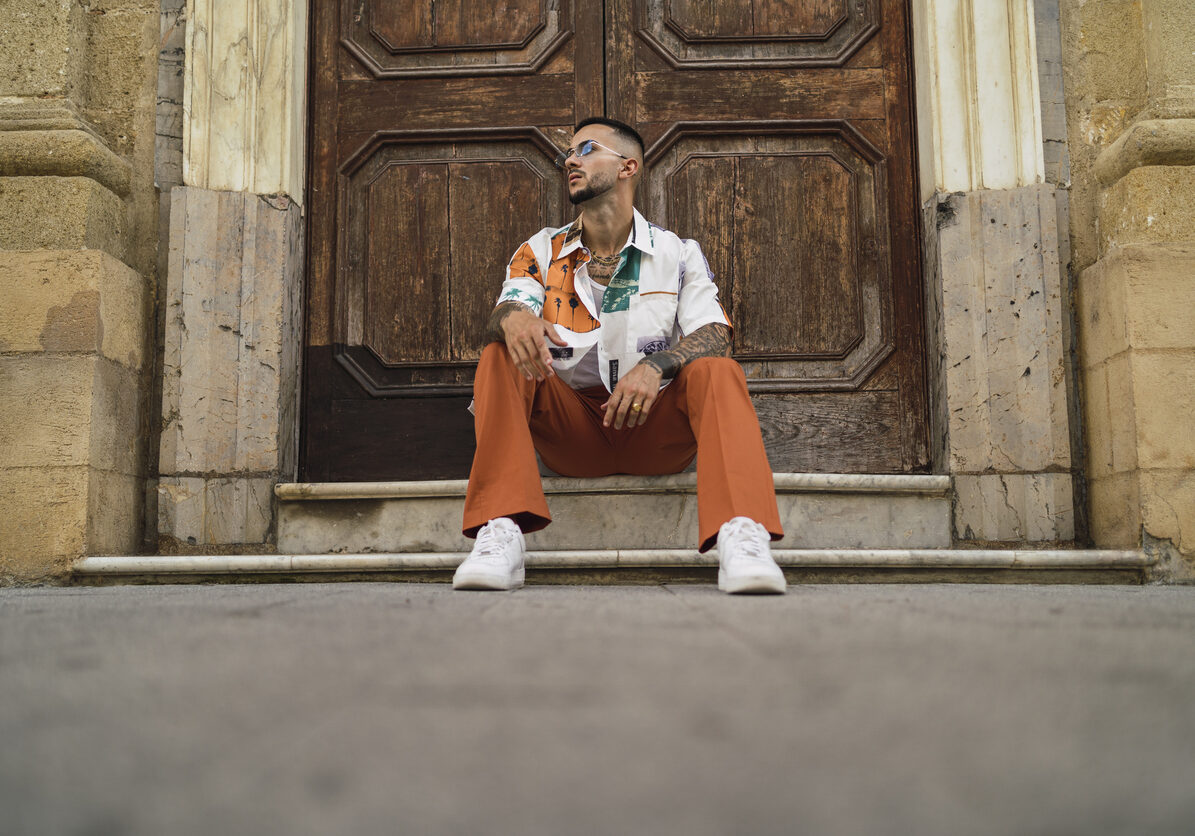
pixel 623 408
pixel 516 356
pixel 638 416
pixel 632 414
pixel 546 357
pixel 610 406
pixel 550 330
pixel 531 348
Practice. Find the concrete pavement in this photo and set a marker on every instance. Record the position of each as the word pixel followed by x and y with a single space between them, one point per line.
pixel 407 708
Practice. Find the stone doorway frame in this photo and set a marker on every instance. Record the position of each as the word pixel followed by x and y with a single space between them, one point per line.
pixel 1000 422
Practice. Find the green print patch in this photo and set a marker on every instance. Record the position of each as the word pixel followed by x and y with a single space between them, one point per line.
pixel 522 297
pixel 624 284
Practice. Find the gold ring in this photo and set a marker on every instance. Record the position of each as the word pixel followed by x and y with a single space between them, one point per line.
pixel 636 407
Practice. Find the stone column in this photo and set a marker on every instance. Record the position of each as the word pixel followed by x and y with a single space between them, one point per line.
pixel 994 285
pixel 1130 71
pixel 77 244
pixel 234 288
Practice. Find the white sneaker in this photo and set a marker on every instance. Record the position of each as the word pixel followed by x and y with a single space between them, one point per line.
pixel 496 561
pixel 745 561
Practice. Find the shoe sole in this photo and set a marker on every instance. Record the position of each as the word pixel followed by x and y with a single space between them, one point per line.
pixel 752 585
pixel 498 583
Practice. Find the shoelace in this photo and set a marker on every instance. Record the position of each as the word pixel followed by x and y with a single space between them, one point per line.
pixel 491 544
pixel 750 547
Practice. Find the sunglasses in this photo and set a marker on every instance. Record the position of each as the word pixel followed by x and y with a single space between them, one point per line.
pixel 584 150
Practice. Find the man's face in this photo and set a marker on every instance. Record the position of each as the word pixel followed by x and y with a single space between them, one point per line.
pixel 597 172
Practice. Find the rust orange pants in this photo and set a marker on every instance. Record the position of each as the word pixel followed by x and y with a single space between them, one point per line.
pixel 705 411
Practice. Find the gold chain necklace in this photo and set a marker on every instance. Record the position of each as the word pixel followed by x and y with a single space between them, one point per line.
pixel 606 260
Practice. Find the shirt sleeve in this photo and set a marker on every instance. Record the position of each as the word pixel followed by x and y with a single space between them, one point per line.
pixel 524 280
pixel 698 303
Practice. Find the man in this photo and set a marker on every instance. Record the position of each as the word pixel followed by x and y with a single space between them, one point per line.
pixel 609 353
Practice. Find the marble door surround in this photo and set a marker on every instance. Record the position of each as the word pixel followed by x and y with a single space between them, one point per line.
pixel 991 243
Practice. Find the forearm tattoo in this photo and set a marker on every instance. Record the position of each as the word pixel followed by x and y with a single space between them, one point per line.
pixel 493 328
pixel 711 340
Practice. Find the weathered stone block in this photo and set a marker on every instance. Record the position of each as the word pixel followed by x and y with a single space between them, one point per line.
pixel 60 213
pixel 123 51
pixel 53 515
pixel 1002 332
pixel 1168 507
pixel 198 511
pixel 1149 204
pixel 1105 43
pixel 80 300
pixel 1110 417
pixel 117 432
pixel 63 153
pixel 45 520
pixel 253 140
pixel 232 332
pixel 1098 432
pixel 59 411
pixel 181 508
pixel 45 410
pixel 1116 510
pixel 115 505
pixel 1170 60
pixel 1122 414
pixel 1164 392
pixel 1159 292
pixel 1103 320
pixel 43 43
pixel 239 510
pixel 1014 507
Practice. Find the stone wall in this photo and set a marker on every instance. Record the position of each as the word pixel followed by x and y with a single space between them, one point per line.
pixel 997 301
pixel 78 245
pixel 230 382
pixel 1001 340
pixel 232 318
pixel 1130 80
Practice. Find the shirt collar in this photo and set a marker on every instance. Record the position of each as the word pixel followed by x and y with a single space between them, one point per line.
pixel 642 235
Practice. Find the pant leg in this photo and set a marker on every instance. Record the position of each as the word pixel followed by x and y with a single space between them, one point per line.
pixel 513 417
pixel 734 478
pixel 504 480
pixel 706 410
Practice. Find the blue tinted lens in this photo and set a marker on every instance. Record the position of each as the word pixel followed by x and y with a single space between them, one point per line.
pixel 581 150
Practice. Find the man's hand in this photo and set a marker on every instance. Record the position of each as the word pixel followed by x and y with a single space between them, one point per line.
pixel 639 388
pixel 526 336
pixel 642 383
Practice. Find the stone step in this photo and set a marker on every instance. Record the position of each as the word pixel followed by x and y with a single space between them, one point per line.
pixel 650 565
pixel 614 514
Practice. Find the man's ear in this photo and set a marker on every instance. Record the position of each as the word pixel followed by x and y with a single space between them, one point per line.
pixel 630 167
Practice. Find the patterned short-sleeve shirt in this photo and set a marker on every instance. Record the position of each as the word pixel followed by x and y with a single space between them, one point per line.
pixel 661 291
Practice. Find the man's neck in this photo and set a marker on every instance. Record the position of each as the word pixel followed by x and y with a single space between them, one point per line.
pixel 606 226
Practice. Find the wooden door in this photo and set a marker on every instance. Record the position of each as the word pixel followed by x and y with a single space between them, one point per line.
pixel 434 124
pixel 779 137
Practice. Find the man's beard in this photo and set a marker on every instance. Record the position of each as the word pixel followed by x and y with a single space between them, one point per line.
pixel 596 187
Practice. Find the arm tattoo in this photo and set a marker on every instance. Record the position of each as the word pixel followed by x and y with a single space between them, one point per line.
pixel 493 328
pixel 711 340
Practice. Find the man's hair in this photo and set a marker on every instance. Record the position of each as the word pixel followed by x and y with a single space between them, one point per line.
pixel 622 129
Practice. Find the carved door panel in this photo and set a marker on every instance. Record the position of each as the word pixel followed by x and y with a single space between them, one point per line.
pixel 433 128
pixel 779 137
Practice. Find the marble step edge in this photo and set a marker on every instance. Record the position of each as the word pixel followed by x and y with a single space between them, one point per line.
pixel 622 558
pixel 872 483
